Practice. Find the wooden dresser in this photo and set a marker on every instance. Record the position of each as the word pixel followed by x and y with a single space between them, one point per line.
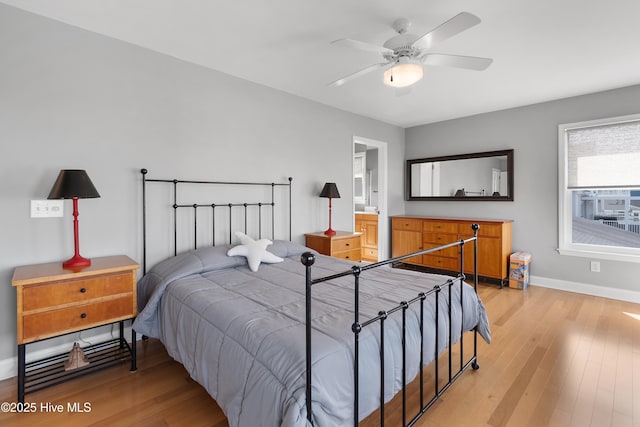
pixel 414 233
pixel 53 301
pixel 344 244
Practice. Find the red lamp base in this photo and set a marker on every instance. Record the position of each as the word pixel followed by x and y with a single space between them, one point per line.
pixel 76 262
pixel 329 232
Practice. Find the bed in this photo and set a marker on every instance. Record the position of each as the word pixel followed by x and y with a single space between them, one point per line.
pixel 266 348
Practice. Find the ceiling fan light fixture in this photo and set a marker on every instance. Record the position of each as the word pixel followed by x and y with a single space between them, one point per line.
pixel 404 73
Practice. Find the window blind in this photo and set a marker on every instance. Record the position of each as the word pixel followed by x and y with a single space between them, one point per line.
pixel 604 156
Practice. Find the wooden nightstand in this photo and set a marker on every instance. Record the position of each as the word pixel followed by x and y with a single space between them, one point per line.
pixel 54 301
pixel 343 244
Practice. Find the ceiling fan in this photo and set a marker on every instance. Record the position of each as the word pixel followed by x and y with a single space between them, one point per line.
pixel 406 53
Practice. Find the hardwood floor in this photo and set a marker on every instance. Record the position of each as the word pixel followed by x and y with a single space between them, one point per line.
pixel 557 359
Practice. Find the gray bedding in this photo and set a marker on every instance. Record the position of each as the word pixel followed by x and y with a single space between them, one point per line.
pixel 242 335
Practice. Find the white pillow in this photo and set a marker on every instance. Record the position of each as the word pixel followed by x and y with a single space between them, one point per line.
pixel 255 251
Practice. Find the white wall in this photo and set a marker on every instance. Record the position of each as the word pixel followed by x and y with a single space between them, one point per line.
pixel 532 131
pixel 74 99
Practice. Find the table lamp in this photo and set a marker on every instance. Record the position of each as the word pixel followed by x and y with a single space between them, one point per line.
pixel 330 190
pixel 74 184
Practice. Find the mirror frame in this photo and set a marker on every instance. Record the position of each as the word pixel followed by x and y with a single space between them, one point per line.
pixel 510 173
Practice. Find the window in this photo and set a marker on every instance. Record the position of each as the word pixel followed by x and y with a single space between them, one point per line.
pixel 599 188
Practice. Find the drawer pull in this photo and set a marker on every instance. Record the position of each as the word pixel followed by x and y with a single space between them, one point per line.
pixel 83 315
pixel 83 290
pixel 347 244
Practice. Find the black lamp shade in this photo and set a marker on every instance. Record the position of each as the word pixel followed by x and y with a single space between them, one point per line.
pixel 330 190
pixel 73 183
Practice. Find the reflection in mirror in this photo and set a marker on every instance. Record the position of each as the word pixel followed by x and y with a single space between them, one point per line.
pixel 475 176
pixel 359 168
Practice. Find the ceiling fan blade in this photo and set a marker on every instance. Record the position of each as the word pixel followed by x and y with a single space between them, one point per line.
pixel 457 24
pixel 362 72
pixel 367 47
pixel 445 60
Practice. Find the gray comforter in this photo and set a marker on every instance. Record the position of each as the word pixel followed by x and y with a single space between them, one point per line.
pixel 242 335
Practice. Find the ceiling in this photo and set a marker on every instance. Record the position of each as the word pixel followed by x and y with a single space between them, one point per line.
pixel 542 50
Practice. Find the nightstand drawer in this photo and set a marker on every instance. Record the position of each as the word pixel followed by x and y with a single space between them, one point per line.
pixel 55 322
pixel 345 244
pixel 76 291
pixel 353 255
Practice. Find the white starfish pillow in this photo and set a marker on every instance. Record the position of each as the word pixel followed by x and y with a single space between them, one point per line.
pixel 255 251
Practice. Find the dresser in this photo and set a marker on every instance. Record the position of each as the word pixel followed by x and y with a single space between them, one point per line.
pixel 367 225
pixel 414 233
pixel 344 244
pixel 54 301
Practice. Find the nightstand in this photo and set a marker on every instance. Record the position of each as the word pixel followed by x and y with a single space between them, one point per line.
pixel 54 301
pixel 343 244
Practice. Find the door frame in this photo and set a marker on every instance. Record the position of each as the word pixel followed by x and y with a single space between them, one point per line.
pixel 383 216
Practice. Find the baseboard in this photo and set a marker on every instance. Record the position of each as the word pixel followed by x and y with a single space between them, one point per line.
pixel 9 366
pixel 581 288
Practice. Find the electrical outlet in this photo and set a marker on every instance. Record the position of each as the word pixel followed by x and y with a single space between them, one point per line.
pixel 47 208
pixel 595 266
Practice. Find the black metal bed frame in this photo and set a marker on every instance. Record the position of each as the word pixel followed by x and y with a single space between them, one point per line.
pixel 308 260
pixel 213 206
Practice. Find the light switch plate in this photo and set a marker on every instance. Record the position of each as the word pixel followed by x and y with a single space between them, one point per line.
pixel 47 208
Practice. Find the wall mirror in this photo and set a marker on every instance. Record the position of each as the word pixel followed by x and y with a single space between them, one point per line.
pixel 475 176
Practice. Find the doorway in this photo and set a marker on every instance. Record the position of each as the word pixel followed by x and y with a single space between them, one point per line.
pixel 370 187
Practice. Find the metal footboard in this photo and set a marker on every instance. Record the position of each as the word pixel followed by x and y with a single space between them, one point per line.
pixel 358 326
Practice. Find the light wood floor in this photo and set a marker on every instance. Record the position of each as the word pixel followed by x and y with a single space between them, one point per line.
pixel 557 359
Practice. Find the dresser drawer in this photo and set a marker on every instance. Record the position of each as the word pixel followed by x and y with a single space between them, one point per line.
pixel 56 322
pixel 486 230
pixel 409 224
pixel 352 255
pixel 441 262
pixel 439 238
pixel 449 252
pixel 75 291
pixel 440 227
pixel 351 243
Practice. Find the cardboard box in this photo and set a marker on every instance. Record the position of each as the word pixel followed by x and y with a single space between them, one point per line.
pixel 519 270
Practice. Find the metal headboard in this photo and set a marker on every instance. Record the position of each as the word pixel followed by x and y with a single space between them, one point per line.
pixel 213 206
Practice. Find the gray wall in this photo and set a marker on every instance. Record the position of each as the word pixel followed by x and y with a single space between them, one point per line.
pixel 74 99
pixel 532 131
